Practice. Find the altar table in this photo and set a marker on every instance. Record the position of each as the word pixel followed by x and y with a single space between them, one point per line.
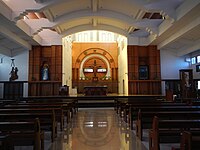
pixel 95 90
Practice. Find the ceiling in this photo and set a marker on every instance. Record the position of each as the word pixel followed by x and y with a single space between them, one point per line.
pixel 173 25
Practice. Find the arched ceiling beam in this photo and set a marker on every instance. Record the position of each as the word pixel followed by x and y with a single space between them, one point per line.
pixel 143 23
pixel 101 13
pixel 91 27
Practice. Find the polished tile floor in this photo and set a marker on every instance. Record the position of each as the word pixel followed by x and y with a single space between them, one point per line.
pixel 96 129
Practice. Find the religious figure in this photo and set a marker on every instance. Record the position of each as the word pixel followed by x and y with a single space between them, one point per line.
pixel 95 78
pixel 45 71
pixel 95 68
pixel 186 79
pixel 13 74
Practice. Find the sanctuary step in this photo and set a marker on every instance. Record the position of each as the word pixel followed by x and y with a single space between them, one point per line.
pixel 88 103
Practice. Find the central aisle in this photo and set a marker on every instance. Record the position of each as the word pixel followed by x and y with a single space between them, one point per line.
pixel 97 129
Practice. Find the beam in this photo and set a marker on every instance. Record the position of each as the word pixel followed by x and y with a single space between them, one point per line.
pixel 5 51
pixel 106 14
pixel 91 27
pixel 13 37
pixel 195 46
pixel 95 4
pixel 181 32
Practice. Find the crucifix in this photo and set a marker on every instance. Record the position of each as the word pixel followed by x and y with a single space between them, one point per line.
pixel 95 68
pixel 95 78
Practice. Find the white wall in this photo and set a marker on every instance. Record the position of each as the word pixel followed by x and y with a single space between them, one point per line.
pixel 21 62
pixel 171 64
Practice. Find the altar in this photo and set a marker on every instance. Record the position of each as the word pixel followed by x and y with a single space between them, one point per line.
pixel 95 90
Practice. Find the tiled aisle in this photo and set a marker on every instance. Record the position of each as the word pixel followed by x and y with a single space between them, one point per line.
pixel 96 129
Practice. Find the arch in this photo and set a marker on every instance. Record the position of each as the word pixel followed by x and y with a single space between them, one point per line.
pixel 90 53
pixel 91 27
pixel 90 56
pixel 113 15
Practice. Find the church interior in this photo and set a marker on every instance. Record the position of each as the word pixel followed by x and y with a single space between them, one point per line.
pixel 96 74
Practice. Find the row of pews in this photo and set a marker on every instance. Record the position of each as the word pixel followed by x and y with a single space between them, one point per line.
pixel 166 122
pixel 24 122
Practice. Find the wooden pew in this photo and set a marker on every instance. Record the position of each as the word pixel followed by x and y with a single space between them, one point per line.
pixel 123 104
pixel 190 140
pixel 59 116
pixel 73 102
pixel 134 112
pixel 22 134
pixel 4 142
pixel 7 101
pixel 145 118
pixel 169 131
pixel 130 109
pixel 69 107
pixel 47 120
pixel 64 107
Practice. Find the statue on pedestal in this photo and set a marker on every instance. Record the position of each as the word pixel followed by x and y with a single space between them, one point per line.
pixel 45 71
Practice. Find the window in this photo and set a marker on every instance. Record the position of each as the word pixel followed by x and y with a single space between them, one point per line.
pixel 197 68
pixel 88 70
pixel 198 59
pixel 193 60
pixel 101 70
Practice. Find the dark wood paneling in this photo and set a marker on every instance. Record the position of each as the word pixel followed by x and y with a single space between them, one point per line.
pixel 37 56
pixel 144 56
pixel 44 88
pixel 13 90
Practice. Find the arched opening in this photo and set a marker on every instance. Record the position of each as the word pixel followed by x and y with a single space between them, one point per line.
pixel 99 54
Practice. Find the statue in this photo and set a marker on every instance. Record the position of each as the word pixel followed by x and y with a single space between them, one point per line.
pixel 45 71
pixel 13 74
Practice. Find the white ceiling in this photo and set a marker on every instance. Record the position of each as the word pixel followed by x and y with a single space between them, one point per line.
pixel 173 25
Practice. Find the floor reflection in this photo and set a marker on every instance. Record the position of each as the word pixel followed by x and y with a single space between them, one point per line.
pixel 97 129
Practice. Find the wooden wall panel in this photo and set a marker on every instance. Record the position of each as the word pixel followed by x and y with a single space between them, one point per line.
pixel 37 56
pixel 150 57
pixel 80 51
